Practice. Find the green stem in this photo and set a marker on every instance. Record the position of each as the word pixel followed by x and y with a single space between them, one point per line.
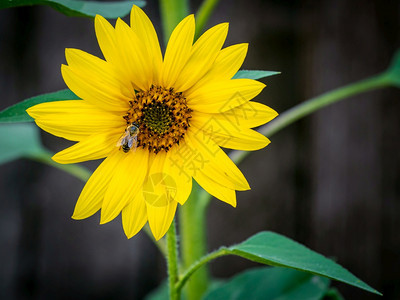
pixel 172 261
pixel 79 172
pixel 172 12
pixel 196 265
pixel 203 14
pixel 193 240
pixel 304 109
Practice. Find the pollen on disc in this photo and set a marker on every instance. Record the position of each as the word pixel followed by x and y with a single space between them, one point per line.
pixel 162 117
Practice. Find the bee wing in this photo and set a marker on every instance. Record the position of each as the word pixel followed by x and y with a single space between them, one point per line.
pixel 132 143
pixel 121 140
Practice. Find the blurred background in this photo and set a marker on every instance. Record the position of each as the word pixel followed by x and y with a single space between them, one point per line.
pixel 330 181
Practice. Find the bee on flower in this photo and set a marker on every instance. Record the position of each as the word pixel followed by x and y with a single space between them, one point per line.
pixel 128 141
pixel 168 115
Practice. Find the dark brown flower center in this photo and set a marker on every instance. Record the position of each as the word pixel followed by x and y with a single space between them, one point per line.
pixel 162 117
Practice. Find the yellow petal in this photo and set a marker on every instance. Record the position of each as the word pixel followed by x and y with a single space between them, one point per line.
pixel 208 157
pixel 181 161
pixel 136 62
pixel 95 92
pixel 218 191
pixel 184 189
pixel 182 180
pixel 144 29
pixel 101 72
pixel 94 147
pixel 74 119
pixel 92 195
pixel 178 51
pixel 246 140
pixel 134 215
pixel 221 96
pixel 204 52
pixel 226 133
pixel 126 183
pixel 248 115
pixel 105 34
pixel 160 218
pixel 225 65
pixel 158 185
pixel 63 132
pixel 111 47
pixel 159 191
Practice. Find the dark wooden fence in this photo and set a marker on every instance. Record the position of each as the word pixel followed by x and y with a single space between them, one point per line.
pixel 330 181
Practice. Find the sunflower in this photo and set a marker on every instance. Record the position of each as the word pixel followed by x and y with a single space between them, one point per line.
pixel 158 121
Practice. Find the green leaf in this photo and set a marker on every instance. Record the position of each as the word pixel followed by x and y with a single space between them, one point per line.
pixel 333 294
pixel 17 112
pixel 19 140
pixel 77 8
pixel 271 283
pixel 276 250
pixel 254 74
pixel 22 140
pixel 393 72
pixel 160 293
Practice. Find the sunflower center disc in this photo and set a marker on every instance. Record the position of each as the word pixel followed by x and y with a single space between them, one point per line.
pixel 162 116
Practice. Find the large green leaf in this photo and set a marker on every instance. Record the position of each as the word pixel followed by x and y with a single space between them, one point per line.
pixel 17 112
pixel 254 74
pixel 77 8
pixel 19 140
pixel 276 250
pixel 271 283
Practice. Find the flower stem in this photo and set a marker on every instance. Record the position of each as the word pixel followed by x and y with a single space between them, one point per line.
pixel 306 108
pixel 172 261
pixel 196 265
pixel 193 240
pixel 172 12
pixel 203 14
